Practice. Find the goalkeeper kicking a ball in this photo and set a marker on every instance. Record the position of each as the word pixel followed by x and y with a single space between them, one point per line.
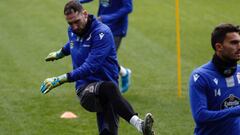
pixel 95 72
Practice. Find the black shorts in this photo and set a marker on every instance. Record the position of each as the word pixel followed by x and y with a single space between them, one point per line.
pixel 107 118
pixel 88 96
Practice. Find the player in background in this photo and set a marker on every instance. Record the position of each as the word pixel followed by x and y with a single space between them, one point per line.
pixel 114 13
pixel 95 72
pixel 214 87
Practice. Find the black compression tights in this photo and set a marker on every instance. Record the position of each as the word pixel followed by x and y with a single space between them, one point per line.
pixel 109 93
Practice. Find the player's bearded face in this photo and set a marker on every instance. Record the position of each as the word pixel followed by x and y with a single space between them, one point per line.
pixel 231 46
pixel 77 22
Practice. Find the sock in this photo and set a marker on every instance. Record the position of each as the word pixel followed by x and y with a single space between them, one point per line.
pixel 123 71
pixel 136 122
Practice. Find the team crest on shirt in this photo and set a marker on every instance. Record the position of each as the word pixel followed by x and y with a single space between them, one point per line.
pixel 230 102
pixel 105 3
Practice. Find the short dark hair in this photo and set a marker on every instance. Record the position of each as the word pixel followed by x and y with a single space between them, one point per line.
pixel 73 6
pixel 220 31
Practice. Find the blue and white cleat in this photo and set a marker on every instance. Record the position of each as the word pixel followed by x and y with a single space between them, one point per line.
pixel 148 124
pixel 126 81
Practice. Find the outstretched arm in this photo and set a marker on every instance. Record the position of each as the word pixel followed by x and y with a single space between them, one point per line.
pixel 65 51
pixel 50 83
pixel 123 11
pixel 199 107
pixel 55 55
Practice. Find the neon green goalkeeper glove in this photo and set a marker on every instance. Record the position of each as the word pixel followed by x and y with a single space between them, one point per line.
pixel 53 82
pixel 55 55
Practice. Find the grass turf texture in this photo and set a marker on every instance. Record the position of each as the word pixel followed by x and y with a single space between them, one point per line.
pixel 32 29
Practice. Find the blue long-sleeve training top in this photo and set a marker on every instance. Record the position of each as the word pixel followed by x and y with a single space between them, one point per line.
pixel 93 55
pixel 114 13
pixel 215 101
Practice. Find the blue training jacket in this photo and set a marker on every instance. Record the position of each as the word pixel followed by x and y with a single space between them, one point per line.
pixel 114 13
pixel 215 101
pixel 93 55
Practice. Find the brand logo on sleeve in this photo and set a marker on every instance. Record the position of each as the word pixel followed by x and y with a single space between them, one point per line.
pixel 101 35
pixel 195 77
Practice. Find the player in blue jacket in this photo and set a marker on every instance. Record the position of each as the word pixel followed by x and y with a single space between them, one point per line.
pixel 215 86
pixel 95 71
pixel 114 13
